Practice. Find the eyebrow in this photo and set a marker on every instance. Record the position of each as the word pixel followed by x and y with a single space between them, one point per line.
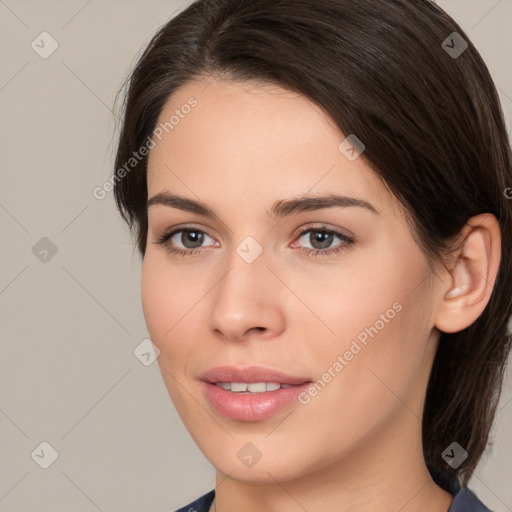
pixel 279 209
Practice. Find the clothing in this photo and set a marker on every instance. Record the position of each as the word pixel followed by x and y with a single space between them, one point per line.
pixel 464 500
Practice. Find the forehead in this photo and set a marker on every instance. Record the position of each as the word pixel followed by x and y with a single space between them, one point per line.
pixel 262 140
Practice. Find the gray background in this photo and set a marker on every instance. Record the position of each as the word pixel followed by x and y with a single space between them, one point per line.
pixel 71 321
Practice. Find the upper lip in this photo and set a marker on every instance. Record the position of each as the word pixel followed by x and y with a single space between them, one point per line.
pixel 250 374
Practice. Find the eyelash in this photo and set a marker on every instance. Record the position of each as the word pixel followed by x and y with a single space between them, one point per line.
pixel 316 253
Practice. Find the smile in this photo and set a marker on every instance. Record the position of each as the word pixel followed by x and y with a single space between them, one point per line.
pixel 252 387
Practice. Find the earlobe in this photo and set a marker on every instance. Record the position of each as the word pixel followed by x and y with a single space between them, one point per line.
pixel 472 275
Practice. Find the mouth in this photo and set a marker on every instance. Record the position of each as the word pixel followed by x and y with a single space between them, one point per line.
pixel 250 394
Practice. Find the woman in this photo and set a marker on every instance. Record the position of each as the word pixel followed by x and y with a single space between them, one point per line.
pixel 318 192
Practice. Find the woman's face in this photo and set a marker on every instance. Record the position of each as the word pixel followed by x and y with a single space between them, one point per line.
pixel 338 295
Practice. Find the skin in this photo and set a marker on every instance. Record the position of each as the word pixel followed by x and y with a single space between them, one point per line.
pixel 357 444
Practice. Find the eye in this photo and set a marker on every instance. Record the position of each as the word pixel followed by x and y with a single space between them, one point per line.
pixel 321 240
pixel 191 240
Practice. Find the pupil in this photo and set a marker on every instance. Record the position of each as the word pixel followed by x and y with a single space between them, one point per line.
pixel 323 238
pixel 193 237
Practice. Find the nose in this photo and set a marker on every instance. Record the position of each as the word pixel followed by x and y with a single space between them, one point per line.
pixel 247 302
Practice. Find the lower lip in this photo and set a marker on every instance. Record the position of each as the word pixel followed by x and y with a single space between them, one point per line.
pixel 251 407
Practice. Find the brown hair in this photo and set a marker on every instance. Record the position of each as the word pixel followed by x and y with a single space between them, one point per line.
pixel 433 129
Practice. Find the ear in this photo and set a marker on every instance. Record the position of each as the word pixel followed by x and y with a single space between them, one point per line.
pixel 472 275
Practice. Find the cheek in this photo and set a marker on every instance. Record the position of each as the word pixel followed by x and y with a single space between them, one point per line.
pixel 354 301
pixel 385 356
pixel 166 303
pixel 380 318
pixel 154 295
pixel 167 296
pixel 166 300
pixel 170 296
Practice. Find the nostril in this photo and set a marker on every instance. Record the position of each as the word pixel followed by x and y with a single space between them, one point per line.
pixel 252 330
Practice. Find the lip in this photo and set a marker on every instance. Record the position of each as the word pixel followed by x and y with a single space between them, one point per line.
pixel 250 374
pixel 250 407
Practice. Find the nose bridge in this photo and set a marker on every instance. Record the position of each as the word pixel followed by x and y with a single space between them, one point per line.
pixel 241 286
pixel 246 263
pixel 245 297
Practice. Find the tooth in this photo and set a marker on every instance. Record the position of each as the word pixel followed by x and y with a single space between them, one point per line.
pixel 253 387
pixel 257 387
pixel 238 386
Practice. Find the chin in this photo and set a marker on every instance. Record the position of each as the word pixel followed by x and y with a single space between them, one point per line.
pixel 268 468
